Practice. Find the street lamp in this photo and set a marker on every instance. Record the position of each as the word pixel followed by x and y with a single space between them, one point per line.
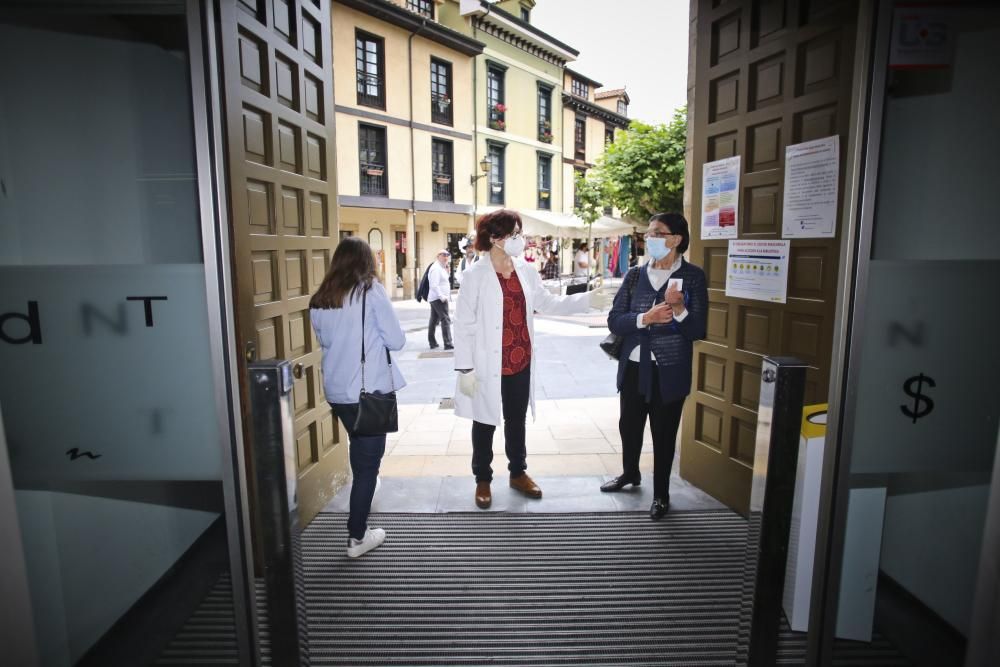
pixel 484 166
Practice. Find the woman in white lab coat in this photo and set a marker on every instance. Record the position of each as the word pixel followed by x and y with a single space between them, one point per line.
pixel 494 335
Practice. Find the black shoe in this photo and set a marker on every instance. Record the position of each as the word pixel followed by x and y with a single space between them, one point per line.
pixel 658 508
pixel 435 346
pixel 449 347
pixel 620 482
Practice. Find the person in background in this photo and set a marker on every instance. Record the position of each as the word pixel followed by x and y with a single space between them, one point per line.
pixel 551 269
pixel 335 313
pixel 659 318
pixel 438 296
pixel 581 262
pixel 494 324
pixel 468 259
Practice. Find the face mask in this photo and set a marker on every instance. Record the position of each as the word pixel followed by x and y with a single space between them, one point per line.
pixel 657 248
pixel 514 247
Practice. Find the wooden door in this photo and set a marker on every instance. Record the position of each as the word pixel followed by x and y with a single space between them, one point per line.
pixel 768 73
pixel 280 140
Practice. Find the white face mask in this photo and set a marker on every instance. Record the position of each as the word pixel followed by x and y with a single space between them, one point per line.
pixel 514 246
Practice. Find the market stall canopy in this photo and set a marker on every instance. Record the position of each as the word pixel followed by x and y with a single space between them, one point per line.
pixel 565 225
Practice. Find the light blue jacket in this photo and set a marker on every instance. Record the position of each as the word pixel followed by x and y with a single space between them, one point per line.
pixel 339 333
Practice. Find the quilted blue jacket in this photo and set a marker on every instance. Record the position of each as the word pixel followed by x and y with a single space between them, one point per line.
pixel 671 344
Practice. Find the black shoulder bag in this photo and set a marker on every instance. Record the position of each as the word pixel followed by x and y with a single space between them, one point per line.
pixel 612 344
pixel 377 413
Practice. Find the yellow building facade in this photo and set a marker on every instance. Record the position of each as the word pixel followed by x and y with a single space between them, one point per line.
pixel 518 83
pixel 404 109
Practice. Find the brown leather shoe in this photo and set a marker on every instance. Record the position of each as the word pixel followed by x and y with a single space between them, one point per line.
pixel 526 485
pixel 483 496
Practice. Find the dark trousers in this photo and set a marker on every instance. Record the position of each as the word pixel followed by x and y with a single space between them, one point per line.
pixel 663 421
pixel 439 313
pixel 366 456
pixel 514 394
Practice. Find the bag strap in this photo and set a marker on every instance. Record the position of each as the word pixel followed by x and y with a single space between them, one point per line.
pixel 388 357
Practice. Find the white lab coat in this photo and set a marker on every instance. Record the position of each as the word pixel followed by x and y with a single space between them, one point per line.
pixel 478 328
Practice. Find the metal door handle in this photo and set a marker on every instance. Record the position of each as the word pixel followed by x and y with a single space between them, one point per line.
pixel 297 370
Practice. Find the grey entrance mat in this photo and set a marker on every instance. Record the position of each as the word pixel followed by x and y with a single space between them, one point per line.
pixel 527 589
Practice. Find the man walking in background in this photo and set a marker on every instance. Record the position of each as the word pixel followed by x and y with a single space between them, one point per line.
pixel 438 295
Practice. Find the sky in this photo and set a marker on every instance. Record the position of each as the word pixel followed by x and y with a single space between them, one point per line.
pixel 640 45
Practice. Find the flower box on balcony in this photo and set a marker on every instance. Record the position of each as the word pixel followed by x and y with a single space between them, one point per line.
pixel 543 195
pixel 498 125
pixel 443 180
pixel 497 189
pixel 373 172
pixel 545 138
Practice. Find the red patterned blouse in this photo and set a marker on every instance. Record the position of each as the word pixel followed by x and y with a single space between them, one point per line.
pixel 516 340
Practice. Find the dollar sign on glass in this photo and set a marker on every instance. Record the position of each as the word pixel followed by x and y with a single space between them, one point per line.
pixel 922 403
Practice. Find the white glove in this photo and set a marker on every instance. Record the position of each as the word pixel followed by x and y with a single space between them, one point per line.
pixel 598 299
pixel 467 383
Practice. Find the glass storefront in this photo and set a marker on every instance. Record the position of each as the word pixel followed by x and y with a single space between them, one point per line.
pixel 109 406
pixel 924 426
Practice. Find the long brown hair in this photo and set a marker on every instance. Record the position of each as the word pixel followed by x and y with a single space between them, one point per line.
pixel 352 269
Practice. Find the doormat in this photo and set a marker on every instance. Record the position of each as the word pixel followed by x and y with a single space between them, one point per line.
pixel 436 354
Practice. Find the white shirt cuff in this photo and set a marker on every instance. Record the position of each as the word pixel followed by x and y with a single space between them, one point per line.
pixel 638 321
pixel 680 318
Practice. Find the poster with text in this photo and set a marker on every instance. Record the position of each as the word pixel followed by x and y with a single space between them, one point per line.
pixel 758 270
pixel 720 198
pixel 812 173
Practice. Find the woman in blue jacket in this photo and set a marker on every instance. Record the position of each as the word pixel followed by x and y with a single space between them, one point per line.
pixel 335 312
pixel 660 311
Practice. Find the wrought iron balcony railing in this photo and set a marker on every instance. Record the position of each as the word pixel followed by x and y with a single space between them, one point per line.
pixel 371 90
pixel 374 180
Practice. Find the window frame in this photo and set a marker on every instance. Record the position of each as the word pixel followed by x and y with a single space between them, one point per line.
pixel 438 67
pixel 381 132
pixel 525 14
pixel 544 113
pixel 440 192
pixel 580 138
pixel 416 6
pixel 365 99
pixel 495 95
pixel 544 180
pixel 622 108
pixel 579 88
pixel 497 153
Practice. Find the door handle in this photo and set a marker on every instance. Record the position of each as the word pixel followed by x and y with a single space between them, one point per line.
pixel 297 370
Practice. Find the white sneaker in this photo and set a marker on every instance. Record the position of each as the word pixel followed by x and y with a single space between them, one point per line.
pixel 373 538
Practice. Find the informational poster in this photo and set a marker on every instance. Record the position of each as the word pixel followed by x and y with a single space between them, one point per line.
pixel 720 198
pixel 922 37
pixel 758 270
pixel 812 173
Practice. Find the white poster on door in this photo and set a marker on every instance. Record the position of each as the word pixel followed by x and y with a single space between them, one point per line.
pixel 812 173
pixel 758 270
pixel 720 198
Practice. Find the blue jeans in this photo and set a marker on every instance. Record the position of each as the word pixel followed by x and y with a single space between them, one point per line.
pixel 366 455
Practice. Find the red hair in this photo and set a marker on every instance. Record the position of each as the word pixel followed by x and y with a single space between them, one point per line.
pixel 495 225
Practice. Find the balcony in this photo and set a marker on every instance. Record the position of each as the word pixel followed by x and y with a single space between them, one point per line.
pixel 371 90
pixel 545 132
pixel 496 192
pixel 545 199
pixel 373 180
pixel 498 117
pixel 441 109
pixel 443 189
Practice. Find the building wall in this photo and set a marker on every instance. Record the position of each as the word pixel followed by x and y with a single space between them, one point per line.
pixel 408 149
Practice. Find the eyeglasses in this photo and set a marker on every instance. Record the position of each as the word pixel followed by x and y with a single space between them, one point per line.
pixel 658 235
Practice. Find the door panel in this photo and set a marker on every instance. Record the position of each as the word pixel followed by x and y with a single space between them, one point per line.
pixel 278 77
pixel 767 74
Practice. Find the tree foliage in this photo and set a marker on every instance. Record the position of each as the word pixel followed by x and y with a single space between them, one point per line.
pixel 590 196
pixel 642 170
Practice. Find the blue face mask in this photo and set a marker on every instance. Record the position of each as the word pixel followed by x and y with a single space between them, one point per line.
pixel 657 248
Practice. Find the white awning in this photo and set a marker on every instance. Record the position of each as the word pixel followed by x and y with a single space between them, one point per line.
pixel 565 225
